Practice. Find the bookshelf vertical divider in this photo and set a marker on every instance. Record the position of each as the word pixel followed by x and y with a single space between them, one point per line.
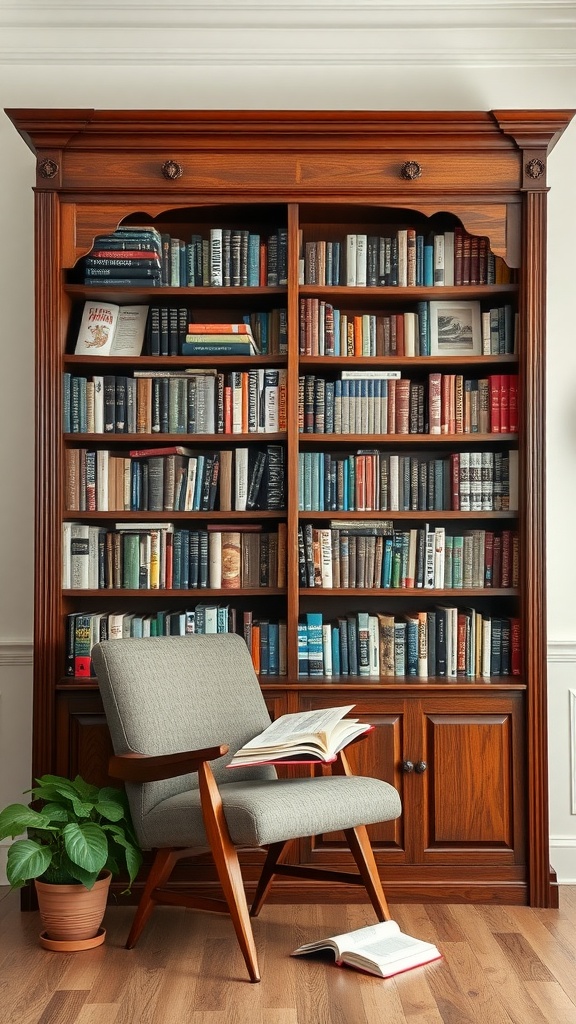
pixel 460 726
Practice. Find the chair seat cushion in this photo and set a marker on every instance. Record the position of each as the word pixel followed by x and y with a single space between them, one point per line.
pixel 261 812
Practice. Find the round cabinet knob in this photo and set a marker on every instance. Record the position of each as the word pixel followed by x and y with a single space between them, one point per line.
pixel 410 170
pixel 172 170
pixel 420 767
pixel 407 767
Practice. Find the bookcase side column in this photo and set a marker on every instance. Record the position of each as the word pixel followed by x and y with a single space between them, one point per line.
pixel 48 498
pixel 533 525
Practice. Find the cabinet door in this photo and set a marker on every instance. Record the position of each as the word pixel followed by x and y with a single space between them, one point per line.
pixel 466 806
pixel 83 744
pixel 378 755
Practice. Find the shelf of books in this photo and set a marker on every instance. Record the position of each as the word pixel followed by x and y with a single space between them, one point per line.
pixel 416 399
pixel 293 389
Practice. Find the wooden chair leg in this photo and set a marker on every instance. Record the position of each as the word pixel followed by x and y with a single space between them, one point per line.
pixel 361 849
pixel 227 866
pixel 160 871
pixel 274 856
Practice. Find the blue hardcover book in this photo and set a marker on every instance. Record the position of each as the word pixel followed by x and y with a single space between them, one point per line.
pixel 344 660
pixel 315 650
pixel 198 483
pixel 316 474
pixel 386 581
pixel 428 264
pixel 411 646
pixel 273 649
pixel 302 649
pixel 253 261
pixel 352 625
pixel 423 310
pixel 335 637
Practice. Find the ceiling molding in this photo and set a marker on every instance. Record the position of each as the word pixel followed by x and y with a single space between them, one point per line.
pixel 517 33
pixel 368 14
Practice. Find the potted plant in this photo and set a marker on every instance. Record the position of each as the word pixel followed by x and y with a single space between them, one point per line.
pixel 79 837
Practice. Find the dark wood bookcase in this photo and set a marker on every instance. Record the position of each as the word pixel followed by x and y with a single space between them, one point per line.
pixel 467 753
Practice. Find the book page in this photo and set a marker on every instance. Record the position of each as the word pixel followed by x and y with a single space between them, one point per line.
pixel 303 725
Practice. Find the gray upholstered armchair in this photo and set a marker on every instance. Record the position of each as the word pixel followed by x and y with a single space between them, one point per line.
pixel 177 709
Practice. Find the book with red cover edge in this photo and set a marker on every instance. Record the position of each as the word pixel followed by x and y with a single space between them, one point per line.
pixel 219 329
pixel 124 254
pixel 173 449
pixel 305 758
pixel 393 974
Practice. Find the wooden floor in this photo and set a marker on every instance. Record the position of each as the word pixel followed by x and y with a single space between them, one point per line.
pixel 502 965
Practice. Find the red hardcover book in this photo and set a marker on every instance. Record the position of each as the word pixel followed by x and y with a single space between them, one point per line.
pixel 455 481
pixel 504 403
pixel 495 386
pixel 513 423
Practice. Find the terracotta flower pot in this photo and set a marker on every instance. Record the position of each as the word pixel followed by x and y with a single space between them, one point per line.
pixel 72 914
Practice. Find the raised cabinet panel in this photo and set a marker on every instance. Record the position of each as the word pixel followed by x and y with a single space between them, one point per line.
pixel 472 790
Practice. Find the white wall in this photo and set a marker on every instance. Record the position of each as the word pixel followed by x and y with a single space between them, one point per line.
pixel 381 57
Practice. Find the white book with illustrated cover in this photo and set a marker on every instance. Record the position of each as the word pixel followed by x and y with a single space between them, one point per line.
pixel 107 329
pixel 381 949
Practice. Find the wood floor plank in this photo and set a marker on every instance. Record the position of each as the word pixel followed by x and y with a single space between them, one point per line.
pixel 502 965
pixel 552 1000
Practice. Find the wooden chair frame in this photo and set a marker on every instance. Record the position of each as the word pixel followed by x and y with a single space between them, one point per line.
pixel 140 768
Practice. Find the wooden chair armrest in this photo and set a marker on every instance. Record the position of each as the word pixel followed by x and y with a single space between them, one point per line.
pixel 341 765
pixel 155 767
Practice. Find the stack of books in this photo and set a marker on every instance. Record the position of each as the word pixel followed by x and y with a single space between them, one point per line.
pixel 230 339
pixel 130 256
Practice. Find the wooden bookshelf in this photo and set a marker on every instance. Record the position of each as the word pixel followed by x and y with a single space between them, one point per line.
pixel 468 753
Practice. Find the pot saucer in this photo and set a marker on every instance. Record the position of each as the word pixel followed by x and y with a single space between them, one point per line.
pixel 72 945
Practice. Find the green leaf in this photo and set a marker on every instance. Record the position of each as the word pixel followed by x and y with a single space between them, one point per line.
pixel 16 818
pixel 87 878
pixel 109 809
pixel 26 860
pixel 86 845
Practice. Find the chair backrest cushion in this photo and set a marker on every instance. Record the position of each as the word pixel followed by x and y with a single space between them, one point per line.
pixel 166 694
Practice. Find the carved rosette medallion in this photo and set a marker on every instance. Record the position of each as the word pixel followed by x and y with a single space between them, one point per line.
pixel 535 168
pixel 47 168
pixel 172 170
pixel 410 170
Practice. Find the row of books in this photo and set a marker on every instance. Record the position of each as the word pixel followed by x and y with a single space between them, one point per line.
pixel 325 330
pixel 223 257
pixel 174 479
pixel 192 401
pixel 372 480
pixel 159 556
pixel 382 402
pixel 168 327
pixel 266 638
pixel 402 257
pixel 360 555
pixel 109 329
pixel 446 641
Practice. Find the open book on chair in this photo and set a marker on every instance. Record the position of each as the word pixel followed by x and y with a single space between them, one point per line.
pixel 306 736
pixel 380 949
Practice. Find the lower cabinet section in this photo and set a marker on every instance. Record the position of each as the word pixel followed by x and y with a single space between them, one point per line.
pixel 456 757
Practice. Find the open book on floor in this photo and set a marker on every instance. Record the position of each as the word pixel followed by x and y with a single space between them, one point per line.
pixel 306 736
pixel 380 949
